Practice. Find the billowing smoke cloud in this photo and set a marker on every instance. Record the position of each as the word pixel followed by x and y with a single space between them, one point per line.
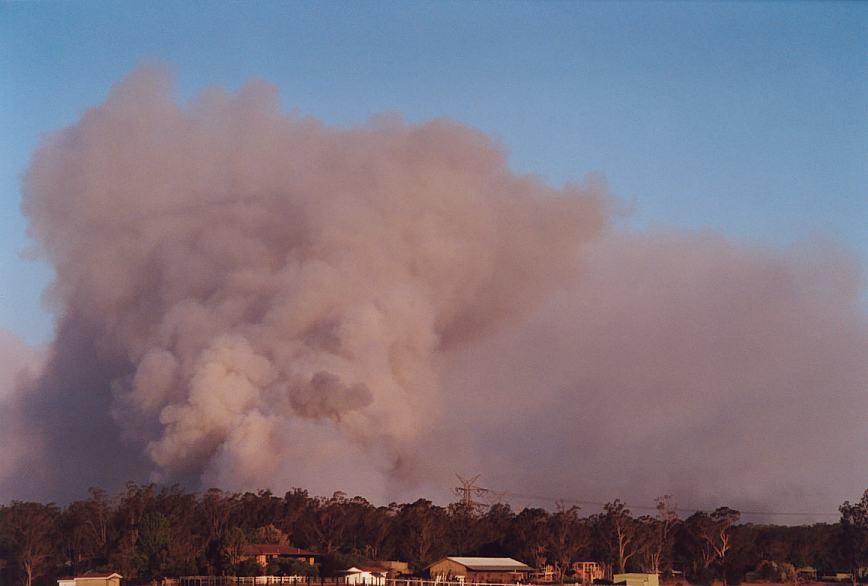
pixel 249 299
pixel 246 298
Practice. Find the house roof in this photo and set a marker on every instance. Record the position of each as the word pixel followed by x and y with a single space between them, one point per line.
pixel 491 564
pixel 95 574
pixel 369 569
pixel 275 549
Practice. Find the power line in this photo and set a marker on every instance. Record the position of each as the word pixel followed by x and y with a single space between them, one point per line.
pixel 536 497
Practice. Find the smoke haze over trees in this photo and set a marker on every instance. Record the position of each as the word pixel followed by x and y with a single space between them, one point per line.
pixel 248 298
pixel 152 531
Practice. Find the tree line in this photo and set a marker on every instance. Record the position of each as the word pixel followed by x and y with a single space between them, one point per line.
pixel 151 531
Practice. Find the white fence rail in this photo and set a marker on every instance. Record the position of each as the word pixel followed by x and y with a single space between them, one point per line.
pixel 313 581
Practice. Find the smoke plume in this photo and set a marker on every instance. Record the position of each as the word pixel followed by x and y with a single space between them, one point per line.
pixel 245 297
pixel 684 364
pixel 19 364
pixel 251 299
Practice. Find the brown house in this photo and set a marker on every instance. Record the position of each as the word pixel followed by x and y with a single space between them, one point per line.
pixel 264 553
pixel 474 570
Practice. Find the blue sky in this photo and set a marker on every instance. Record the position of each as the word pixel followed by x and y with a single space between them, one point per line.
pixel 748 118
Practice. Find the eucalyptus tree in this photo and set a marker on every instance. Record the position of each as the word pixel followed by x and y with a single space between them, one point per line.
pixel 853 539
pixel 568 535
pixel 658 533
pixel 620 532
pixel 712 533
pixel 30 530
pixel 422 528
pixel 530 536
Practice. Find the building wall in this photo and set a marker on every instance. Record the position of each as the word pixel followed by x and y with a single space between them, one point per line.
pixel 635 579
pixel 97 581
pixel 366 578
pixel 447 569
pixel 496 577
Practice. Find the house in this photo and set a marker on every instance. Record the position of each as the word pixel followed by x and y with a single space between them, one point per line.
pixel 369 575
pixel 587 572
pixel 92 579
pixel 636 579
pixel 265 553
pixel 807 573
pixel 475 570
pixel 393 568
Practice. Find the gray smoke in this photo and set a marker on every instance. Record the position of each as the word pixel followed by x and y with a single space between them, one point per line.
pixel 684 364
pixel 249 299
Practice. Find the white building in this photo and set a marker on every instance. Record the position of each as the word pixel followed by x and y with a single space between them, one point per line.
pixel 371 576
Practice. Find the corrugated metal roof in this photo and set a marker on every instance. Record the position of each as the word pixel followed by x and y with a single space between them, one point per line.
pixel 491 564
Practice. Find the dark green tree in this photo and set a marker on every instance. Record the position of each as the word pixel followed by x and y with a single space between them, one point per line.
pixel 568 535
pixel 154 537
pixel 31 532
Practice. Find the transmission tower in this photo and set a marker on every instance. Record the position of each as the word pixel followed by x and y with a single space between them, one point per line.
pixel 469 491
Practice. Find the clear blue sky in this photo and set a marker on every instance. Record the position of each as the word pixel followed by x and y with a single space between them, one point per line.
pixel 749 118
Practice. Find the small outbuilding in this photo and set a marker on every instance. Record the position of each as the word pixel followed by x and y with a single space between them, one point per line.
pixel 636 579
pixel 474 570
pixel 92 579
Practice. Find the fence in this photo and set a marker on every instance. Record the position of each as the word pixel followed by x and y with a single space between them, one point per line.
pixel 252 581
pixel 311 581
pixel 436 582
